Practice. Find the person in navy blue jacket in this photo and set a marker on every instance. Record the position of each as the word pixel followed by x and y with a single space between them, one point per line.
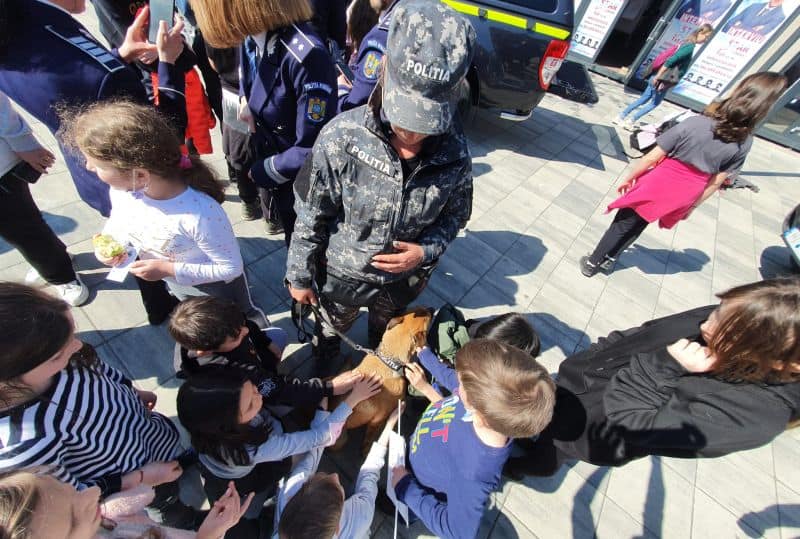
pixel 287 85
pixel 368 63
pixel 330 20
pixel 50 59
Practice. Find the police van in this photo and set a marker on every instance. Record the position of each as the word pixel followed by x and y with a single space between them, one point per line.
pixel 520 47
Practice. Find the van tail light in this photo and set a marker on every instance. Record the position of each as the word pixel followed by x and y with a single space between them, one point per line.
pixel 551 62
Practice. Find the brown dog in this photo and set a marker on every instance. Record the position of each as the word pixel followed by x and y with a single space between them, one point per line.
pixel 403 335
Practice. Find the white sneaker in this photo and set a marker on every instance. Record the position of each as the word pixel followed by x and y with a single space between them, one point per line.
pixel 74 293
pixel 629 125
pixel 33 278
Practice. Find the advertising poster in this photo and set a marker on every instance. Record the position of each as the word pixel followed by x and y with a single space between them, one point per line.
pixel 593 27
pixel 690 16
pixel 739 39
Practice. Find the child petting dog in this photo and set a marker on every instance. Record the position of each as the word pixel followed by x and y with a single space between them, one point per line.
pixel 214 331
pixel 308 492
pixel 457 451
pixel 240 440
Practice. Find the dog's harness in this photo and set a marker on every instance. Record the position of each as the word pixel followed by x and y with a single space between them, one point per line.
pixel 300 312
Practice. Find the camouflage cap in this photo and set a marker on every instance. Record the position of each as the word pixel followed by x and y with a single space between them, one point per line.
pixel 429 53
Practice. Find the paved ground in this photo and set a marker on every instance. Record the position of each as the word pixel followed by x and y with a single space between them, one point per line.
pixel 541 188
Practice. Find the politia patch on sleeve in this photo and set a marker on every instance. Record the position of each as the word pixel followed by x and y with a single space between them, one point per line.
pixel 372 64
pixel 316 109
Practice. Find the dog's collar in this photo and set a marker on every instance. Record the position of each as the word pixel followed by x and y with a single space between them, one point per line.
pixel 396 366
pixel 320 312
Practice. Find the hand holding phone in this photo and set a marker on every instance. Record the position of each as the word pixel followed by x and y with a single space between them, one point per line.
pixel 160 10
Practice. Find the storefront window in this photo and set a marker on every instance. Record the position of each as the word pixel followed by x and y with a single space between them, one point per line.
pixel 783 123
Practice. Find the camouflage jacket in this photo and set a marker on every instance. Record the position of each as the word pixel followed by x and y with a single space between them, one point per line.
pixel 353 200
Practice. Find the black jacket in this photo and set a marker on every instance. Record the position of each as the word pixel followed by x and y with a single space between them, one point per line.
pixel 626 397
pixel 254 357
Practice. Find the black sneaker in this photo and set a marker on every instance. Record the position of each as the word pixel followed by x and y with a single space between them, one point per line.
pixel 607 266
pixel 251 210
pixel 587 268
pixel 272 228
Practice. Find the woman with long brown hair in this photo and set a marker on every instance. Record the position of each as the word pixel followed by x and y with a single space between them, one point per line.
pixel 702 383
pixel 166 203
pixel 689 164
pixel 288 83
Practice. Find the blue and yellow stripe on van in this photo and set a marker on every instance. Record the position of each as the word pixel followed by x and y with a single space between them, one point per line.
pixel 509 19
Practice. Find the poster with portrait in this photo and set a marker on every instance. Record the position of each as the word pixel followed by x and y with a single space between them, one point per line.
pixel 690 16
pixel 739 40
pixel 598 19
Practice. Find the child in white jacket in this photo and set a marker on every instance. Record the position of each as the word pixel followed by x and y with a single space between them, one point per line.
pixel 308 492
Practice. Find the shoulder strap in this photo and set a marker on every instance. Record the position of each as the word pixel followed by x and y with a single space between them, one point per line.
pixel 86 44
pixel 297 43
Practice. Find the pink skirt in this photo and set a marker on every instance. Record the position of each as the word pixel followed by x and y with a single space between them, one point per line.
pixel 665 193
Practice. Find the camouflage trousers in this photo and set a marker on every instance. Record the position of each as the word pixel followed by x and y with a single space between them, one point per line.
pixel 326 345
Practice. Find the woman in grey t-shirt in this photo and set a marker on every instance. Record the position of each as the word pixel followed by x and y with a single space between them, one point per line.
pixel 689 163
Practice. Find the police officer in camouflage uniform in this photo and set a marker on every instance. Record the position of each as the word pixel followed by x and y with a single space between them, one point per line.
pixel 389 183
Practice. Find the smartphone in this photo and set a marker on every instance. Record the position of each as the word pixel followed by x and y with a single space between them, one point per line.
pixel 160 10
pixel 345 70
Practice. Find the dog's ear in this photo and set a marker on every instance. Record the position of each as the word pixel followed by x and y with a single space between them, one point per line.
pixel 396 321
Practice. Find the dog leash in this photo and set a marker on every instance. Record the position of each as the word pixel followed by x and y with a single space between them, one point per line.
pixel 320 312
pixel 298 314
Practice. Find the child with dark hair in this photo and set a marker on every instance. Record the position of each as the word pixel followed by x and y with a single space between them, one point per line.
pixel 64 408
pixel 308 492
pixel 512 329
pixel 458 449
pixel 239 440
pixel 209 330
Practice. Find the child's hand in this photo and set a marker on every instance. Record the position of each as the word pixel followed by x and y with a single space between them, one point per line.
pixel 345 381
pixel 398 472
pixel 363 389
pixel 692 356
pixel 153 269
pixel 416 375
pixel 391 421
pixel 224 514
pixel 158 473
pixel 148 399
pixel 40 159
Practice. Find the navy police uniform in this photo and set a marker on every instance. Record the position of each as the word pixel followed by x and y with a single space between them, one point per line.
pixel 330 20
pixel 368 63
pixel 53 60
pixel 291 97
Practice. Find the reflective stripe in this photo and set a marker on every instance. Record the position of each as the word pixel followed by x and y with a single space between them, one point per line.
pixel 508 19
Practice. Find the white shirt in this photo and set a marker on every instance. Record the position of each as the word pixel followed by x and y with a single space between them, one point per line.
pixel 191 230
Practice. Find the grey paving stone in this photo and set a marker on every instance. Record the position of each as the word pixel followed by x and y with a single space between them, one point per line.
pixel 788 511
pixel 713 520
pixel 654 495
pixel 785 450
pixel 722 479
pixel 564 505
pixel 615 522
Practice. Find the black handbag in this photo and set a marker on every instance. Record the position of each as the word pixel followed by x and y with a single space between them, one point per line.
pixel 671 76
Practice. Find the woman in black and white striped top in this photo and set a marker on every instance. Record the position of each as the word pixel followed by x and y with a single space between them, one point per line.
pixel 61 406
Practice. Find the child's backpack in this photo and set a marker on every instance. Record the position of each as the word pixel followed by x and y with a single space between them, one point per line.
pixel 661 59
pixel 448 332
pixel 644 138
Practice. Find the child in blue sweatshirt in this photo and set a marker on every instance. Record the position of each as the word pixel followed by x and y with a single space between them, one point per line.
pixel 458 449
